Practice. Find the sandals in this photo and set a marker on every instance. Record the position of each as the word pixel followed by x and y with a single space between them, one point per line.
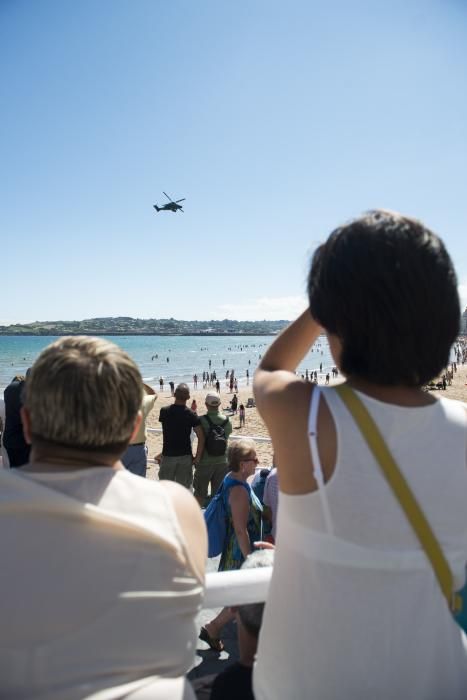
pixel 212 642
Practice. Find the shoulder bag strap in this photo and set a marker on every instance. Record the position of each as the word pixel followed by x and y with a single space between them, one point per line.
pixel 402 492
pixel 317 469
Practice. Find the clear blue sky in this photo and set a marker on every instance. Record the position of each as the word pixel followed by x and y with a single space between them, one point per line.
pixel 276 120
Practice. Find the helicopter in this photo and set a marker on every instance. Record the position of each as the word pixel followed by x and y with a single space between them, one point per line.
pixel 171 205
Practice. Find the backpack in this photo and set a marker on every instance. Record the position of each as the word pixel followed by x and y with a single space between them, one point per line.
pixel 216 439
pixel 258 487
pixel 258 490
pixel 215 517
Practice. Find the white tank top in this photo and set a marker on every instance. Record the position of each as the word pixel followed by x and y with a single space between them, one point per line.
pixel 357 613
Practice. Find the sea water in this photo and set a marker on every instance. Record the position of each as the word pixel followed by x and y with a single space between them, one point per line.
pixel 175 358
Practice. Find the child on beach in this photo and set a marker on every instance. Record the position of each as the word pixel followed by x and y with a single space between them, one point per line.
pixel 241 413
pixel 234 404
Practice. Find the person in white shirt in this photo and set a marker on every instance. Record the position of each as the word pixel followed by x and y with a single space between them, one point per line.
pixel 102 572
pixel 354 609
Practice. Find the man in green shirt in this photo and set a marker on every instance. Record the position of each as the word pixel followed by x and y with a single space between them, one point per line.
pixel 211 468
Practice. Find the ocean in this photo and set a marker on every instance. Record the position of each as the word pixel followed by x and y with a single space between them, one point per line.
pixel 175 358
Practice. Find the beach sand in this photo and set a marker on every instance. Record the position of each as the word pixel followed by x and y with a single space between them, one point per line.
pixel 254 425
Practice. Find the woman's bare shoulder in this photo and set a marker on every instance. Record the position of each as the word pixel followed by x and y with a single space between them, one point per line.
pixel 281 397
pixel 238 492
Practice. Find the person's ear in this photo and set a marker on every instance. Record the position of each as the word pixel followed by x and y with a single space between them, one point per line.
pixel 138 420
pixel 26 422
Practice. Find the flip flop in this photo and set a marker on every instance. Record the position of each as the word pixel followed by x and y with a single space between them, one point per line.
pixel 212 642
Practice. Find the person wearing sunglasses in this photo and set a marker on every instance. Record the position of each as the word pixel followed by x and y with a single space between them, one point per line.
pixel 244 513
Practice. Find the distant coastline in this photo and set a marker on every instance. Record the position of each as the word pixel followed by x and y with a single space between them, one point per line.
pixel 125 325
pixel 121 333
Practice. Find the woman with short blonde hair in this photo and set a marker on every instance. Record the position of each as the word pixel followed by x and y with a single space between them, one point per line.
pixel 118 561
pixel 238 451
pixel 244 512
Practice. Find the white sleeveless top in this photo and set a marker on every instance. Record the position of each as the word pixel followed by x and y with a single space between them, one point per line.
pixel 96 586
pixel 358 613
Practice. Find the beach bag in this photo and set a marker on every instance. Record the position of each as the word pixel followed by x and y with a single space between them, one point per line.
pixel 215 517
pixel 456 600
pixel 216 439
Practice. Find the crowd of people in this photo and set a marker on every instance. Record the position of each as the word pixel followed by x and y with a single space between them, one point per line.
pixel 231 381
pixel 103 571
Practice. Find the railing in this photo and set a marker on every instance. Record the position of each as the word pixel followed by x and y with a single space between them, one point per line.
pixel 224 588
pixel 257 438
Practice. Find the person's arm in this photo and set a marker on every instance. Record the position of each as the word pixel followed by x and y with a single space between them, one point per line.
pixel 275 373
pixel 200 446
pixel 240 507
pixel 149 390
pixel 291 345
pixel 283 401
pixel 191 524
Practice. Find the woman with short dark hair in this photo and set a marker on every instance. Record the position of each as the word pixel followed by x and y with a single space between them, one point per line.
pixel 354 609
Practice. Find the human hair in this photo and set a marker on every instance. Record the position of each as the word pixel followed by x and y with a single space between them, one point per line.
pixel 252 615
pixel 182 392
pixel 385 285
pixel 83 393
pixel 238 451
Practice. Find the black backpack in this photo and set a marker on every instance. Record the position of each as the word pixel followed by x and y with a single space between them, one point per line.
pixel 216 439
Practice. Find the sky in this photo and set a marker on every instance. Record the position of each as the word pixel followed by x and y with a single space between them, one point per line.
pixel 277 121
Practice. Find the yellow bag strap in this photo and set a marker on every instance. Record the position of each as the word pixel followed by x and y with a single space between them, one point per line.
pixel 402 492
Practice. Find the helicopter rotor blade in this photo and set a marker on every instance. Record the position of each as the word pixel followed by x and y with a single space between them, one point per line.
pixel 170 200
pixel 180 200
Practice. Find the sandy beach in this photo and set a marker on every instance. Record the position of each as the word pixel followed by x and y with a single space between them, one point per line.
pixel 254 425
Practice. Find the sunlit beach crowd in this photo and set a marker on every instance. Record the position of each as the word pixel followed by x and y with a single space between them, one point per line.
pixel 361 518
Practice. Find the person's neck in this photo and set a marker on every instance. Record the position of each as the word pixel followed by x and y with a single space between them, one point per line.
pixel 67 458
pixel 240 476
pixel 399 395
pixel 180 402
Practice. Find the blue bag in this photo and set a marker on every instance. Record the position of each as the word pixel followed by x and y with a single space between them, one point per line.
pixel 215 517
pixel 460 615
